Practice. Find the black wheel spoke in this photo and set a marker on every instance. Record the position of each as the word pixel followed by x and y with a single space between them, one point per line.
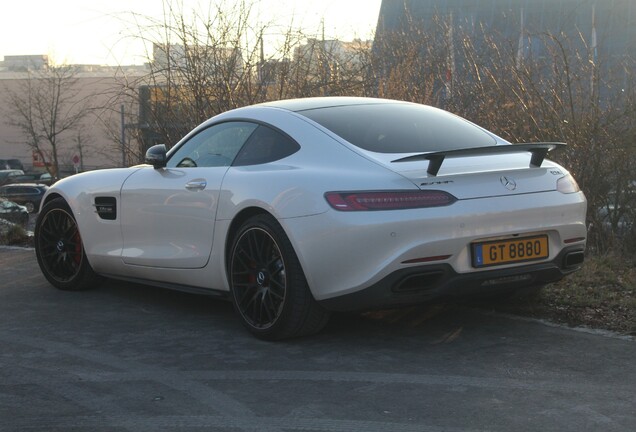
pixel 277 288
pixel 243 259
pixel 47 232
pixel 248 297
pixel 70 232
pixel 252 246
pixel 268 308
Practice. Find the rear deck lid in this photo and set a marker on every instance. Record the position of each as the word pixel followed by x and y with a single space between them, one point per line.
pixel 479 176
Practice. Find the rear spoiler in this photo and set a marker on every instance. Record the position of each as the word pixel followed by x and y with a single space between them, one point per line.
pixel 538 150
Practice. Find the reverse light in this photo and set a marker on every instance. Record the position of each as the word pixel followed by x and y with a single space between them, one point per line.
pixel 567 185
pixel 388 200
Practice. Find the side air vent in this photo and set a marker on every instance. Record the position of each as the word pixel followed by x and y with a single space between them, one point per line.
pixel 106 207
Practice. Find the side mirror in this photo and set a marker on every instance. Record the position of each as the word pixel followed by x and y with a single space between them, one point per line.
pixel 156 156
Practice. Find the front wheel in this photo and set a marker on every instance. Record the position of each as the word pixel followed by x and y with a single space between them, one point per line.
pixel 59 249
pixel 268 286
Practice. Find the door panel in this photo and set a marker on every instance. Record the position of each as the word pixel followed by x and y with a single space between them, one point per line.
pixel 168 214
pixel 166 222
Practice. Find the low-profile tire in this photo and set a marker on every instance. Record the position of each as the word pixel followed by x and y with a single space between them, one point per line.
pixel 268 287
pixel 59 249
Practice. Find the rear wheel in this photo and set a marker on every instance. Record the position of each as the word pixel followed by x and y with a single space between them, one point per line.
pixel 268 286
pixel 59 249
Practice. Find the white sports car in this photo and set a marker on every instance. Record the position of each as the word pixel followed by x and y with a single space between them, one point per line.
pixel 296 208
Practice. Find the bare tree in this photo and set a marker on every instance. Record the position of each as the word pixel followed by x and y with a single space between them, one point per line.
pixel 46 106
pixel 204 62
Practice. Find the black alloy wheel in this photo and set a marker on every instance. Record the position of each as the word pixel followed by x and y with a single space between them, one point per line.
pixel 269 289
pixel 59 248
pixel 259 278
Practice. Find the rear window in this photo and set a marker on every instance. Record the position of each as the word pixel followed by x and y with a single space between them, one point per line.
pixel 400 128
pixel 265 145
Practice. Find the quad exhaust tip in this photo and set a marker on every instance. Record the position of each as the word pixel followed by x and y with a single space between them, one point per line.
pixel 573 259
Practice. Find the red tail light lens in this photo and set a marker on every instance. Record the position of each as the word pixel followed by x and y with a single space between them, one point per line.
pixel 365 201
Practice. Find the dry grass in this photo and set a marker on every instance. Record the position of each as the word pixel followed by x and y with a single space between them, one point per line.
pixel 602 295
pixel 14 235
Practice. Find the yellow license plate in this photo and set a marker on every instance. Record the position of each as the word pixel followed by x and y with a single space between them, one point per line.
pixel 499 252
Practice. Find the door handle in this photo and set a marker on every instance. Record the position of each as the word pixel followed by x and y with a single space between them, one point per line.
pixel 196 185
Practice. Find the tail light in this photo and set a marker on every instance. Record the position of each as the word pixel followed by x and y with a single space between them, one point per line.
pixel 388 200
pixel 567 185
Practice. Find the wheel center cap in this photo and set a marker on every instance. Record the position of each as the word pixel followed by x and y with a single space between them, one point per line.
pixel 60 245
pixel 261 278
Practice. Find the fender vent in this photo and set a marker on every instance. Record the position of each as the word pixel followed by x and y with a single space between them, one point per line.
pixel 106 207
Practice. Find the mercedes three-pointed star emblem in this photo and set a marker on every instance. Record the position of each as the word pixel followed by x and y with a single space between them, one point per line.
pixel 508 182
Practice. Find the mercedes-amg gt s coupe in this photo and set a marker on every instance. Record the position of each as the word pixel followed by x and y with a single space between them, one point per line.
pixel 293 209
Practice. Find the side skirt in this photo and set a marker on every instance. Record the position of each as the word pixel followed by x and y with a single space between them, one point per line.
pixel 176 287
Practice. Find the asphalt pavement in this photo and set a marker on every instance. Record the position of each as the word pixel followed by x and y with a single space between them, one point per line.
pixel 126 357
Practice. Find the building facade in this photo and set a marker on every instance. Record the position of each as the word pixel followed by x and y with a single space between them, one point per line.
pixel 92 144
pixel 22 63
pixel 605 29
pixel 613 21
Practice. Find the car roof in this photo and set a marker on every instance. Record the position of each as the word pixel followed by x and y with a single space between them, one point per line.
pixel 325 102
pixel 35 185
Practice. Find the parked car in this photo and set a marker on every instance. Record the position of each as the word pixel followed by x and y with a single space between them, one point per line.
pixel 28 195
pixel 13 212
pixel 292 209
pixel 8 176
pixel 39 178
pixel 46 178
pixel 7 164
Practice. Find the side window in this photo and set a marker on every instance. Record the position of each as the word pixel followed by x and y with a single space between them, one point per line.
pixel 212 147
pixel 265 145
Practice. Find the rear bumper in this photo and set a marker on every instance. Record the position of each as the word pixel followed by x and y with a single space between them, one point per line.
pixel 424 283
pixel 342 253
